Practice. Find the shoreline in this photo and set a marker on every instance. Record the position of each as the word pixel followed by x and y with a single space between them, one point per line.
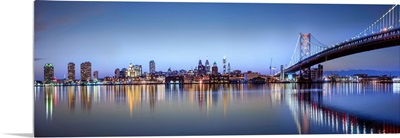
pixel 44 85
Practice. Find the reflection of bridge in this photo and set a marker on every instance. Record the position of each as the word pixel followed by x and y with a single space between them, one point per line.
pixel 383 33
pixel 307 110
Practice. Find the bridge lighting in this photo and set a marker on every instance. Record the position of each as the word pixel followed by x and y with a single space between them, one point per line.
pixel 385 29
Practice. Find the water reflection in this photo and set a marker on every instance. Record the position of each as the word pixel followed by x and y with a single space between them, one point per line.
pixel 307 108
pixel 303 100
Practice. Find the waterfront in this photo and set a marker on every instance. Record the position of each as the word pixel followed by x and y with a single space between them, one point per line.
pixel 225 109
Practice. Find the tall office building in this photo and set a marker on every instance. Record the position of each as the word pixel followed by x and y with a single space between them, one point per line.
pixel 130 72
pixel 71 71
pixel 214 69
pixel 86 71
pixel 123 73
pixel 137 69
pixel 224 65
pixel 152 67
pixel 208 68
pixel 201 70
pixel 317 73
pixel 95 75
pixel 116 73
pixel 282 77
pixel 48 73
pixel 229 68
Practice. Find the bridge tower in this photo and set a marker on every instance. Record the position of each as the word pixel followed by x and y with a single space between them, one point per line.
pixel 304 46
pixel 305 49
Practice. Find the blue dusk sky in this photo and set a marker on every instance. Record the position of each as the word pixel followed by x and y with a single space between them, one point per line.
pixel 177 35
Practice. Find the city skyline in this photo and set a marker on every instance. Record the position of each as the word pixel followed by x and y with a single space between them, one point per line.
pixel 177 35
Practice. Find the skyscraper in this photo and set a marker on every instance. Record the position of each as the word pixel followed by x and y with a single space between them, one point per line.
pixel 152 67
pixel 48 72
pixel 86 71
pixel 229 68
pixel 137 69
pixel 224 65
pixel 208 68
pixel 215 69
pixel 130 72
pixel 95 75
pixel 201 69
pixel 71 71
pixel 116 73
pixel 123 73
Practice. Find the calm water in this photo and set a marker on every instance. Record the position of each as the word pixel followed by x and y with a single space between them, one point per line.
pixel 227 109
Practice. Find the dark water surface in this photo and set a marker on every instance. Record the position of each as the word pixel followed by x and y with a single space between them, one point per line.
pixel 226 109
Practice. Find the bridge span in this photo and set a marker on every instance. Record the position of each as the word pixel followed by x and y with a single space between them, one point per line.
pixel 383 33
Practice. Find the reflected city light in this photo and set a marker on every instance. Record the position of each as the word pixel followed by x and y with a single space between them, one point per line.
pixel 396 87
pixel 304 101
pixel 300 103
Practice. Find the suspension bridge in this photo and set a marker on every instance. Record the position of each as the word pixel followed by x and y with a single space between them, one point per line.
pixel 383 33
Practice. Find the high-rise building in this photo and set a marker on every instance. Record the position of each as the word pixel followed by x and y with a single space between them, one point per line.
pixel 214 69
pixel 201 70
pixel 229 68
pixel 95 75
pixel 71 71
pixel 208 68
pixel 317 73
pixel 86 71
pixel 116 73
pixel 137 69
pixel 224 65
pixel 282 77
pixel 130 72
pixel 152 67
pixel 123 73
pixel 48 73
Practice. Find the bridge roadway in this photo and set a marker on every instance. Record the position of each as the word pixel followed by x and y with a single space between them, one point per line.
pixel 380 40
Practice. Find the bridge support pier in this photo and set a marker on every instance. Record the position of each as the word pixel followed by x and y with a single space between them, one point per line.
pixel 305 78
pixel 282 77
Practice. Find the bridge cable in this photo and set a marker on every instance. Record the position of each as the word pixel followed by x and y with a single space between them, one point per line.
pixel 294 52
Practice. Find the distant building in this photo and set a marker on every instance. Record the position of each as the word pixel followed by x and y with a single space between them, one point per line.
pixel 250 75
pixel 224 65
pixel 170 72
pixel 208 68
pixel 236 72
pixel 152 67
pixel 182 72
pixel 86 71
pixel 190 73
pixel 317 73
pixel 201 69
pixel 130 72
pixel 138 70
pixel 229 68
pixel 333 78
pixel 361 77
pixel 282 75
pixel 214 69
pixel 48 73
pixel 116 73
pixel 258 80
pixel 123 73
pixel 385 79
pixel 71 71
pixel 96 75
